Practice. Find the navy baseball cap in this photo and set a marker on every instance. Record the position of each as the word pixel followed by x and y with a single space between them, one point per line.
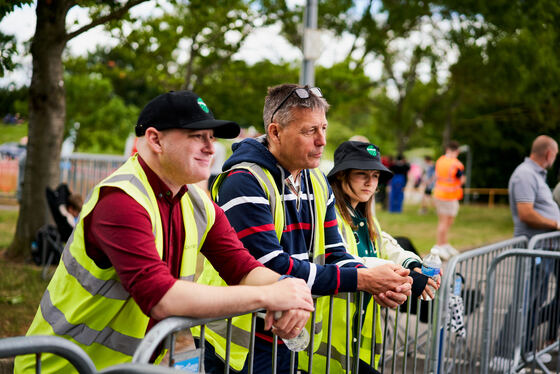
pixel 183 110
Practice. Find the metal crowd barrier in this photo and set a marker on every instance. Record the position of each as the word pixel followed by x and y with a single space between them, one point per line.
pixel 529 329
pixel 22 345
pixel 405 345
pixel 485 305
pixel 37 345
pixel 458 348
pixel 82 171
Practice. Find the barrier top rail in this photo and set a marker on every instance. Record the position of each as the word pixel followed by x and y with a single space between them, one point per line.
pixel 537 241
pixel 131 368
pixel 166 327
pixel 95 157
pixel 21 345
pixel 448 278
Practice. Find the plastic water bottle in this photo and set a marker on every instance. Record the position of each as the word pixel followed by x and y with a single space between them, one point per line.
pixel 300 342
pixel 431 266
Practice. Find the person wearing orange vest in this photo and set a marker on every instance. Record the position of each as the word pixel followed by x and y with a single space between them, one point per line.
pixel 447 193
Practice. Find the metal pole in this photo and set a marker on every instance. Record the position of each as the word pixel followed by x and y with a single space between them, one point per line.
pixel 467 149
pixel 309 25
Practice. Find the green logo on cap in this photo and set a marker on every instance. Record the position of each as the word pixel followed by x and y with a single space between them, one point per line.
pixel 371 150
pixel 203 105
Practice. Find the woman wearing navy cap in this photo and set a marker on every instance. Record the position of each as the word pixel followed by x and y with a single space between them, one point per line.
pixel 357 171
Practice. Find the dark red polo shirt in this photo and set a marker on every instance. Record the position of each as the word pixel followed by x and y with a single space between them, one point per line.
pixel 118 232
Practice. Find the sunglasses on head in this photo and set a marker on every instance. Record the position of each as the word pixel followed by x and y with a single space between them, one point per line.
pixel 302 93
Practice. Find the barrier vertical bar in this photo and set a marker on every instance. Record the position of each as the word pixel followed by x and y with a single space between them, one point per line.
pixel 252 343
pixel 312 337
pixel 374 333
pixel 171 343
pixel 228 345
pixel 329 335
pixel 202 348
pixel 408 307
pixel 358 329
pixel 274 352
pixel 348 334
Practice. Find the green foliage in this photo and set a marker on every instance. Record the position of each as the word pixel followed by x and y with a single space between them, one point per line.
pixel 13 100
pixel 8 49
pixel 104 119
pixel 347 91
pixel 8 6
pixel 238 90
pixel 504 84
pixel 176 49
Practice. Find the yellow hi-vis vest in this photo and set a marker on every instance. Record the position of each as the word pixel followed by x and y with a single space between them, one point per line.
pixel 241 330
pixel 338 362
pixel 88 305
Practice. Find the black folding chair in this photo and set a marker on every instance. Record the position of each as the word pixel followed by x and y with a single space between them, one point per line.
pixel 52 238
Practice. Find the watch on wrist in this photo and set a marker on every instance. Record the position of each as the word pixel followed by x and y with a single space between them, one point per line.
pixel 284 277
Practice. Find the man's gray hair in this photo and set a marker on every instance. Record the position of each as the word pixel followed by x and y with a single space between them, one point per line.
pixel 284 114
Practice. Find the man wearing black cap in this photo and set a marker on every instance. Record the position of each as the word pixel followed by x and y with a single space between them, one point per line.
pixel 132 257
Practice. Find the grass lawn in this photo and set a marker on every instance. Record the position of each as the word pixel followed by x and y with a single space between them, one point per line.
pixel 21 286
pixel 475 226
pixel 12 133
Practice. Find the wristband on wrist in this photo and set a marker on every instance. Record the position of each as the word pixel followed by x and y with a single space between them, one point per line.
pixel 284 277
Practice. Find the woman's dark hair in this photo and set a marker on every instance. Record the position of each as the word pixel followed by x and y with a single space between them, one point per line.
pixel 342 201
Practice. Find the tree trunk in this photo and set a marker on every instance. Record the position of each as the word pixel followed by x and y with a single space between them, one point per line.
pixel 47 114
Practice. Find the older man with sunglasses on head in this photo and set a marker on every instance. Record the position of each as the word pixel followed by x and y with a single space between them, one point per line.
pixel 283 210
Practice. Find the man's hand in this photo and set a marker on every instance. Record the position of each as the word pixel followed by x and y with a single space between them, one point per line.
pixel 289 293
pixel 392 299
pixel 288 324
pixel 383 278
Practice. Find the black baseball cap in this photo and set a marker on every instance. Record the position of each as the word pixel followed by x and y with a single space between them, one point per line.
pixel 183 110
pixel 361 156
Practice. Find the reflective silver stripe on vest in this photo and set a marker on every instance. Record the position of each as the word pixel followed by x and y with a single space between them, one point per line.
pixel 83 333
pixel 111 289
pixel 189 278
pixel 238 335
pixel 264 181
pixel 199 210
pixel 318 327
pixel 343 296
pixel 133 179
pixel 319 260
pixel 337 356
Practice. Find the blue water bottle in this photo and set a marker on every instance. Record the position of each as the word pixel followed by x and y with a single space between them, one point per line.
pixel 431 266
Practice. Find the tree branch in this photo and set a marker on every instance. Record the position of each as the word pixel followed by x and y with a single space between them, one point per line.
pixel 116 14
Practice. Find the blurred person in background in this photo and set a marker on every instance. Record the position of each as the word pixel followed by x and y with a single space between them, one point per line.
pixel 400 170
pixel 448 190
pixel 429 180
